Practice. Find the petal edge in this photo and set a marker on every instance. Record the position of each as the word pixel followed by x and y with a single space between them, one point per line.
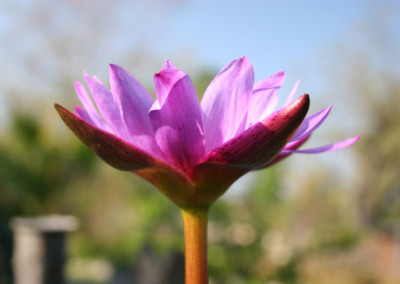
pixel 262 142
pixel 110 148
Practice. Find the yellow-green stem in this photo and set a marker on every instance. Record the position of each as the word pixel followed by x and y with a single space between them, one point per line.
pixel 195 229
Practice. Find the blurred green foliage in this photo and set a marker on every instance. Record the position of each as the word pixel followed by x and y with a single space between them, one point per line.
pixel 44 169
pixel 264 233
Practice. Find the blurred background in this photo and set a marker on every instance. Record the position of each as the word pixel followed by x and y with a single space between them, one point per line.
pixel 330 218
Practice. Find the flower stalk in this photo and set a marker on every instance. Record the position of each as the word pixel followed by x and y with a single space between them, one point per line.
pixel 195 230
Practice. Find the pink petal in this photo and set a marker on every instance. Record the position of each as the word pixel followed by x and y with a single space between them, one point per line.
pixel 83 114
pixel 326 148
pixel 264 100
pixel 292 94
pixel 259 144
pixel 113 150
pixel 176 118
pixel 133 102
pixel 311 123
pixel 107 107
pixel 168 65
pixel 225 102
pixel 87 103
pixel 283 154
pixel 127 157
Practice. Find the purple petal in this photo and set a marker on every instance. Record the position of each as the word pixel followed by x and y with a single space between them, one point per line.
pixel 85 98
pixel 107 107
pixel 91 111
pixel 113 150
pixel 133 102
pixel 83 114
pixel 168 65
pixel 264 100
pixel 125 156
pixel 292 94
pixel 311 123
pixel 326 148
pixel 282 155
pixel 260 143
pixel 225 102
pixel 176 118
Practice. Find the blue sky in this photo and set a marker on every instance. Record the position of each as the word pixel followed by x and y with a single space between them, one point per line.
pixel 296 36
pixel 273 34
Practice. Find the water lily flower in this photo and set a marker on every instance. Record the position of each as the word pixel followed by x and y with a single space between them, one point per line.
pixel 191 151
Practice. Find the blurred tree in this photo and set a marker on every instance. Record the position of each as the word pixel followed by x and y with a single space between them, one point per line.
pixel 369 78
pixel 43 169
pixel 49 44
pixel 304 235
pixel 344 223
